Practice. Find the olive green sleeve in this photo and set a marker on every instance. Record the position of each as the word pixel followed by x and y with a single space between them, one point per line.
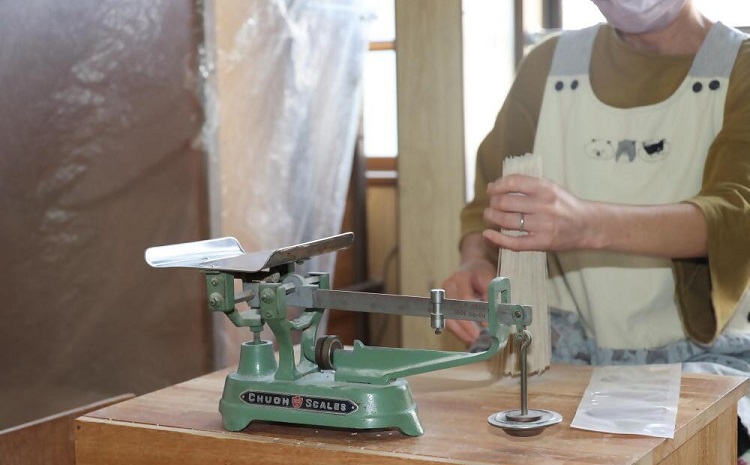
pixel 725 202
pixel 513 133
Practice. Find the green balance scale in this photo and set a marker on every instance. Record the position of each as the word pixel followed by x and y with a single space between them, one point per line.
pixel 362 387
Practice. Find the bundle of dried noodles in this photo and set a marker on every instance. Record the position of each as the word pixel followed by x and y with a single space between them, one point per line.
pixel 527 272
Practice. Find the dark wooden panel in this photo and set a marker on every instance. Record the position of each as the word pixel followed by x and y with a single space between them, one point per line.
pixel 49 440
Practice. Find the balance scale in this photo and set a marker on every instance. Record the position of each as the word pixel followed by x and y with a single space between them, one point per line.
pixel 362 387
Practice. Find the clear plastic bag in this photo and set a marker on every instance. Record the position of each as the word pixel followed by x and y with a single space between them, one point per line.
pixel 636 399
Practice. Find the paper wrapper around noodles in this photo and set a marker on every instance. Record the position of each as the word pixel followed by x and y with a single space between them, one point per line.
pixel 527 272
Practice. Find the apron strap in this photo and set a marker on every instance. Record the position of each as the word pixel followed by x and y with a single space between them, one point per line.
pixel 573 52
pixel 716 56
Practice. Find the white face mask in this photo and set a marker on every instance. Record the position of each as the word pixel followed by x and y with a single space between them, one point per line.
pixel 638 16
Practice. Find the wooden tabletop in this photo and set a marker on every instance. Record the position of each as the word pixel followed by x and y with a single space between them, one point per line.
pixel 181 424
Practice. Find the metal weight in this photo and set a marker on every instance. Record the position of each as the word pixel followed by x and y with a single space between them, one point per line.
pixel 524 422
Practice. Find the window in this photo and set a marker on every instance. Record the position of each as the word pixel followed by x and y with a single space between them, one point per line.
pixel 577 14
pixel 730 12
pixel 379 100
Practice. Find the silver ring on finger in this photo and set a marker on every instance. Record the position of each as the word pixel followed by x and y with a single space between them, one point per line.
pixel 522 222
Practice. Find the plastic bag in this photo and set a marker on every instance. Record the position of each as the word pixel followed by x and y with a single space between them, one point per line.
pixel 635 399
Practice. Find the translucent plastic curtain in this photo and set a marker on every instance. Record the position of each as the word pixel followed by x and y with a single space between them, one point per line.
pixel 287 90
pixel 100 116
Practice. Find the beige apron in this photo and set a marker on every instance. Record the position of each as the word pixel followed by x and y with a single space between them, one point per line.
pixel 640 156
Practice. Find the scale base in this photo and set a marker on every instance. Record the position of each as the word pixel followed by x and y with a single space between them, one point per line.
pixel 252 393
pixel 516 424
pixel 316 399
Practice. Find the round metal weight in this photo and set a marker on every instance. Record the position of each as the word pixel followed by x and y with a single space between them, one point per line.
pixel 516 424
pixel 324 348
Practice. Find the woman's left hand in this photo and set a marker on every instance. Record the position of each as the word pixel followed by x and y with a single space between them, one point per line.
pixel 553 218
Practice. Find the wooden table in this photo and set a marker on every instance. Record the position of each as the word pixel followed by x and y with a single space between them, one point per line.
pixel 181 425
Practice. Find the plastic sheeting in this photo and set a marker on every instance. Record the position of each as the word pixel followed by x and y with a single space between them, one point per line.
pixel 101 157
pixel 99 114
pixel 288 78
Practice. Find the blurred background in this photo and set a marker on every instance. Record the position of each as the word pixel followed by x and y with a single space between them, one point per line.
pixel 129 124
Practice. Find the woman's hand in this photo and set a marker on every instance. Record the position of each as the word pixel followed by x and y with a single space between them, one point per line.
pixel 556 220
pixel 470 282
pixel 553 218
